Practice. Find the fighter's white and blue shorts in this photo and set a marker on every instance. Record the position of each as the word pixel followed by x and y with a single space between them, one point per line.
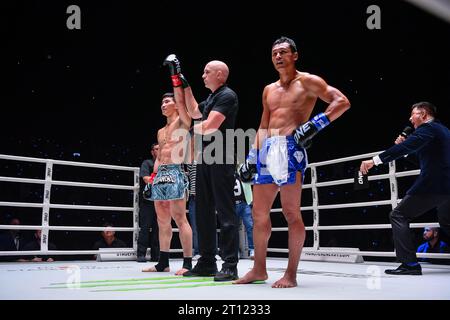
pixel 278 161
pixel 170 183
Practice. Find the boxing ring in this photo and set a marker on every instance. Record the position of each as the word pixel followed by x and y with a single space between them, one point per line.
pixel 320 276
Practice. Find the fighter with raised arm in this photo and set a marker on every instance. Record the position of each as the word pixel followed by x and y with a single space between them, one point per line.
pixel 169 185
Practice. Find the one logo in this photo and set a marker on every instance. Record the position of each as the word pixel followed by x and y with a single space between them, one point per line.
pixel 360 178
pixel 361 181
pixel 302 130
pixel 176 63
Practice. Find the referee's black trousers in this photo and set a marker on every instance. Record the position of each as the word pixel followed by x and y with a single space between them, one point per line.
pixel 215 191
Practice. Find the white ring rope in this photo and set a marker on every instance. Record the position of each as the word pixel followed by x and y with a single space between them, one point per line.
pixel 67 163
pixel 134 209
pixel 64 206
pixel 69 183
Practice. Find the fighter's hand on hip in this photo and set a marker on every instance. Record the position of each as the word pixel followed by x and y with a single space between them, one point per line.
pixel 366 166
pixel 308 130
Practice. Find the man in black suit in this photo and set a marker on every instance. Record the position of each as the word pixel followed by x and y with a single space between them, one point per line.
pixel 12 240
pixel 147 213
pixel 431 142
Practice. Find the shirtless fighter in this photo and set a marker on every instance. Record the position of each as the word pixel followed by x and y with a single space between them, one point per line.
pixel 169 184
pixel 278 159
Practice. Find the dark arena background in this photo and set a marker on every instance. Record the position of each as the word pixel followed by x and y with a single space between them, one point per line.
pixel 93 95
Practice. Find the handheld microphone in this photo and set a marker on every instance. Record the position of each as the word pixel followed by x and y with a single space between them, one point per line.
pixel 406 132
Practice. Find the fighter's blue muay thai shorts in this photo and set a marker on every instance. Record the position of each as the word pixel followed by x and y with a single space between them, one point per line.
pixel 170 183
pixel 278 161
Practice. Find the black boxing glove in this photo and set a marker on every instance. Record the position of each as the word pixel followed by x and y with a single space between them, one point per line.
pixel 184 82
pixel 304 133
pixel 247 170
pixel 174 68
pixel 147 193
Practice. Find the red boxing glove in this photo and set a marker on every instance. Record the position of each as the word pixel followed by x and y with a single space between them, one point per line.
pixel 152 177
pixel 176 81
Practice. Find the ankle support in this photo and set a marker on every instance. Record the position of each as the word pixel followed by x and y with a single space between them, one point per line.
pixel 187 263
pixel 163 261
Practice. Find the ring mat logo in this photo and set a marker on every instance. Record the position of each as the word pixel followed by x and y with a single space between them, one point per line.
pixel 169 282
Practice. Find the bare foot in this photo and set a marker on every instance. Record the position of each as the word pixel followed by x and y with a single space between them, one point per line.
pixel 153 269
pixel 181 272
pixel 252 276
pixel 285 282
